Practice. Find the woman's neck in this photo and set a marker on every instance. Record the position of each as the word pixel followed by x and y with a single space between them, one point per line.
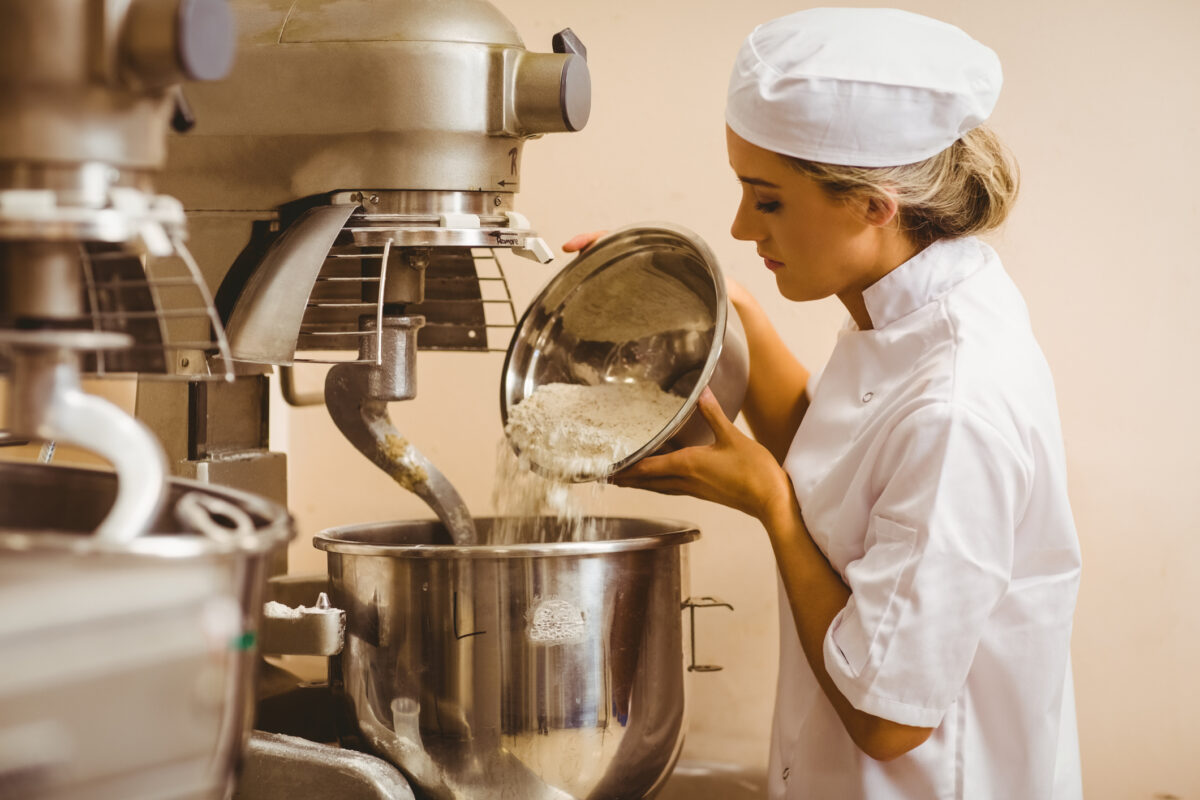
pixel 893 250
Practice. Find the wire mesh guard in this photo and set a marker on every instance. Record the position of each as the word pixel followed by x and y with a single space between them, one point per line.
pixel 467 304
pixel 161 301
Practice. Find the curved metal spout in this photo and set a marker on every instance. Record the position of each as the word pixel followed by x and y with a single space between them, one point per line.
pixel 363 419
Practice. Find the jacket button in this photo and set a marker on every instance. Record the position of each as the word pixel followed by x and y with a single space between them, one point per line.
pixel 866 398
pixel 786 771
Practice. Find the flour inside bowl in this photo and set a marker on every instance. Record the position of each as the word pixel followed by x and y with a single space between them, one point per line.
pixel 573 431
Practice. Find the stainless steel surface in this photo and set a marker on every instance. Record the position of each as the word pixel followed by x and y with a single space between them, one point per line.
pixel 42 280
pixel 462 292
pixel 338 263
pixel 357 396
pixel 128 667
pixel 311 121
pixel 217 432
pixel 279 767
pixel 86 93
pixel 265 322
pixel 82 85
pixel 646 303
pixel 312 106
pixel 714 780
pixel 532 671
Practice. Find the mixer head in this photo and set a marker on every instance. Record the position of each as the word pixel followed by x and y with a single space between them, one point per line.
pixel 87 96
pixel 364 157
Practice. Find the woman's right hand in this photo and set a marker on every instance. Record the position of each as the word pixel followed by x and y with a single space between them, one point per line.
pixel 582 241
pixel 734 470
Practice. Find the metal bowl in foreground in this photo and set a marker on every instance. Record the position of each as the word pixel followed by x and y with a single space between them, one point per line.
pixel 646 303
pixel 128 666
pixel 538 671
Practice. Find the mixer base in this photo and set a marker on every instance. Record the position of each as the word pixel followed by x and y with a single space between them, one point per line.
pixel 279 767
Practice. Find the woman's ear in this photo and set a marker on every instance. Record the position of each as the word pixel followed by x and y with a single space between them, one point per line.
pixel 880 210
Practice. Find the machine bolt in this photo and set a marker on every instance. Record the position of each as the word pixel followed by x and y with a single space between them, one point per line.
pixel 496 201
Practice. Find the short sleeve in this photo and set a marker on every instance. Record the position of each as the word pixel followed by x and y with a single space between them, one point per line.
pixel 937 559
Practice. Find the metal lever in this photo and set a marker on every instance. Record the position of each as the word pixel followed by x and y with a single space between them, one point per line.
pixel 691 604
pixel 182 118
pixel 565 41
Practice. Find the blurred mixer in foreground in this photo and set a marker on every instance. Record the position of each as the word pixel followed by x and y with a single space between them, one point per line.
pixel 131 600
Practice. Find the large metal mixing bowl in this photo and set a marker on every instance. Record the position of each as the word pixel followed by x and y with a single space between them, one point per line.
pixel 531 671
pixel 647 303
pixel 128 667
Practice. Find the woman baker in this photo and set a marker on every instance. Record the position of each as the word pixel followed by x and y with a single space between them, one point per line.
pixel 915 495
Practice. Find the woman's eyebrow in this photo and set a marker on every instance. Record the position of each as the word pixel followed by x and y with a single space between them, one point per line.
pixel 758 182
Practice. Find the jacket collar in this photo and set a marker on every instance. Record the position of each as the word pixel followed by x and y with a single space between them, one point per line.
pixel 924 278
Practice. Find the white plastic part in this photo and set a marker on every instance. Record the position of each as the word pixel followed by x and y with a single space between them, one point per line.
pixel 455 220
pixel 536 249
pixel 27 202
pixel 517 221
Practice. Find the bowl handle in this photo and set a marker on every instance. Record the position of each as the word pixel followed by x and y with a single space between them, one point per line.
pixel 691 604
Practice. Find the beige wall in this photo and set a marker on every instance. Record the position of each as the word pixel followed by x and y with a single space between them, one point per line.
pixel 1101 107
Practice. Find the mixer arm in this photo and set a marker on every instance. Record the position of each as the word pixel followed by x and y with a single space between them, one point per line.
pixel 49 404
pixel 365 422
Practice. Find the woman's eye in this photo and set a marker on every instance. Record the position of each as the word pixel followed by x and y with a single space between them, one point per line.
pixel 767 208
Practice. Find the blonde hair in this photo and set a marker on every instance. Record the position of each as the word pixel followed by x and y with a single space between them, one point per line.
pixel 966 189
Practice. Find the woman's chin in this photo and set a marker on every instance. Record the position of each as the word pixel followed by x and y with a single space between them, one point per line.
pixel 796 293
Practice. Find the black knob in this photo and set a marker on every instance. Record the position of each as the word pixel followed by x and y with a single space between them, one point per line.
pixel 565 41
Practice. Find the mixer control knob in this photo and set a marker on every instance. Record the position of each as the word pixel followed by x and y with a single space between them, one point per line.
pixel 554 90
pixel 166 41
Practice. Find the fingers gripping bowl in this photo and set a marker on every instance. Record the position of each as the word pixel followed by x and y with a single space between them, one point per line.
pixel 624 338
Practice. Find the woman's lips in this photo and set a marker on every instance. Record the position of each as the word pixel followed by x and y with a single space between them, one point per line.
pixel 772 265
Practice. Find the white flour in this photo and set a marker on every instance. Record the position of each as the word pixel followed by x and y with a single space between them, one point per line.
pixel 570 431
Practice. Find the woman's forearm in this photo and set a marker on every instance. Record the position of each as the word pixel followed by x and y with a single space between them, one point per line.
pixel 775 394
pixel 816 594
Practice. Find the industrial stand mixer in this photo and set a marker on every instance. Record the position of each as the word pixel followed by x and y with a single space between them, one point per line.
pixel 131 599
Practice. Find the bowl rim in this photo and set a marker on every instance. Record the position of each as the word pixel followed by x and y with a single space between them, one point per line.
pixel 275 529
pixel 664 533
pixel 607 248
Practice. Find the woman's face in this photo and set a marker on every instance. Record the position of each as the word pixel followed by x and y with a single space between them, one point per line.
pixel 815 246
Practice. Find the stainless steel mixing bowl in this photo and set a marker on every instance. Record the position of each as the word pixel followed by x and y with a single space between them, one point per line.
pixel 531 671
pixel 645 303
pixel 128 667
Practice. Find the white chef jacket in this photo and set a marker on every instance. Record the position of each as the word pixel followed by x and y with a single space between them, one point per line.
pixel 929 469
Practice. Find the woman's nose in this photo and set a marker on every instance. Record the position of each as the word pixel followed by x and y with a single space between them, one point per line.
pixel 743 227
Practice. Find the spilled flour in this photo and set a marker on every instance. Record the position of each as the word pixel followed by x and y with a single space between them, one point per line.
pixel 571 432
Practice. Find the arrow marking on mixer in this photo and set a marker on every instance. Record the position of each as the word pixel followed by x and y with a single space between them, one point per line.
pixel 458 635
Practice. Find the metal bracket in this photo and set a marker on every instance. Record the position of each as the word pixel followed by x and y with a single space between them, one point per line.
pixel 691 604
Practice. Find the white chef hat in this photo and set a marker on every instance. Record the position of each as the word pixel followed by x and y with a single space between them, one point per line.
pixel 865 87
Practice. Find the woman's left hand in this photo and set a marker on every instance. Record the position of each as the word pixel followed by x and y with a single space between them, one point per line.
pixel 734 470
